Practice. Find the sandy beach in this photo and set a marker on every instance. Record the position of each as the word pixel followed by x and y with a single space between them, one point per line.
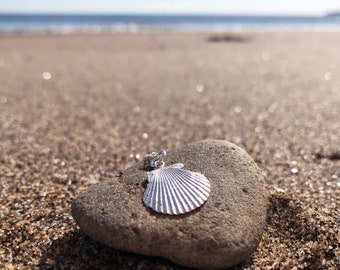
pixel 76 110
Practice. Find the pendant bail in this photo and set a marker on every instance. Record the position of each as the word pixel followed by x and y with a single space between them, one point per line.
pixel 155 160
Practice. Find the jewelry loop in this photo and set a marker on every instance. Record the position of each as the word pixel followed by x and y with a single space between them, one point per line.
pixel 155 160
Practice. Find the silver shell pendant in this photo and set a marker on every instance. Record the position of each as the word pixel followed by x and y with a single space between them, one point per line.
pixel 173 190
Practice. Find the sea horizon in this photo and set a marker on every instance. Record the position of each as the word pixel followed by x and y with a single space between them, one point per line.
pixel 68 23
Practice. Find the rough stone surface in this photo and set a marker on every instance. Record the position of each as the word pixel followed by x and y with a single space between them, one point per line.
pixel 223 232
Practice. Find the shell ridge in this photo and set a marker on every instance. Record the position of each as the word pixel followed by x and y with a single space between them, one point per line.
pixel 202 179
pixel 196 190
pixel 156 192
pixel 168 200
pixel 161 181
pixel 180 194
pixel 187 188
pixel 173 205
pixel 199 180
pixel 189 198
pixel 160 192
pixel 175 195
pixel 161 195
pixel 167 197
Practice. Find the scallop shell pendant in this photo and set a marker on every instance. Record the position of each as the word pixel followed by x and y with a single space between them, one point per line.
pixel 173 190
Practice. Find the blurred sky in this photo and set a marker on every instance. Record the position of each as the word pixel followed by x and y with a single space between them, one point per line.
pixel 252 7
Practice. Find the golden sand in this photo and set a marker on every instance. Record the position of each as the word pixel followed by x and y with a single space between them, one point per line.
pixel 76 110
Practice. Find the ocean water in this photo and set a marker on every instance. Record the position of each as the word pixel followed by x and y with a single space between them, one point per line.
pixel 12 23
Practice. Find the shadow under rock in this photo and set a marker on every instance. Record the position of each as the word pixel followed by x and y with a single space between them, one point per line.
pixel 291 222
pixel 77 251
pixel 287 217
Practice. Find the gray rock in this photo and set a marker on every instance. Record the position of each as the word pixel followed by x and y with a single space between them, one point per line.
pixel 223 232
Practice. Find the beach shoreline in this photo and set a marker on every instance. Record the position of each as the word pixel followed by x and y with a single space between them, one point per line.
pixel 96 32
